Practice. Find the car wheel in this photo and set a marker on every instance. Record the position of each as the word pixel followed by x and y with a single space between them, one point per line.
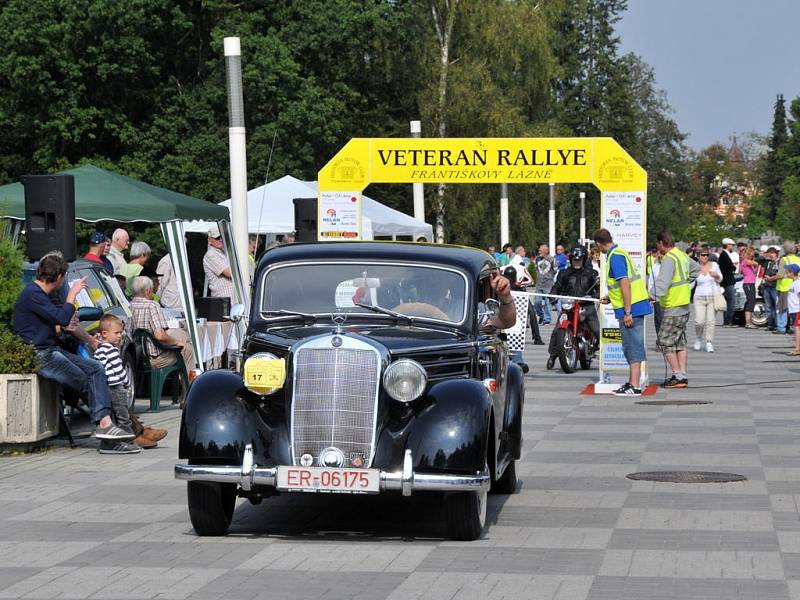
pixel 211 506
pixel 507 484
pixel 567 352
pixel 128 363
pixel 465 515
pixel 759 317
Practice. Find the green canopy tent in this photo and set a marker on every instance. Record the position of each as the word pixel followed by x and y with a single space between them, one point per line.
pixel 102 195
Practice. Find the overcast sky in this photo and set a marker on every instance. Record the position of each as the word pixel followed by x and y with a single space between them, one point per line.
pixel 721 62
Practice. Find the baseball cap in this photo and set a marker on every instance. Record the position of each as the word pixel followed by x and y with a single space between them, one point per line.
pixel 98 237
pixel 794 268
pixel 213 231
pixel 726 241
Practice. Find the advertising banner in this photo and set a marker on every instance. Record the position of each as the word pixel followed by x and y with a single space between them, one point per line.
pixel 624 215
pixel 339 216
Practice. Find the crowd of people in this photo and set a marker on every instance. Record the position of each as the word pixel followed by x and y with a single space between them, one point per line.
pixel 703 278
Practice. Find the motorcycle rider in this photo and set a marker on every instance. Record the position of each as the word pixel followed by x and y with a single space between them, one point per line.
pixel 578 279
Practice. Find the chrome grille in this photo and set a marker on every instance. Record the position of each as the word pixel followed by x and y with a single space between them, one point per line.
pixel 335 395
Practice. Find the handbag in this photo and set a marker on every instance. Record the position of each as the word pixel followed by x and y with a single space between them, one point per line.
pixel 720 304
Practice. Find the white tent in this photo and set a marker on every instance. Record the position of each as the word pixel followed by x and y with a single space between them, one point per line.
pixel 270 210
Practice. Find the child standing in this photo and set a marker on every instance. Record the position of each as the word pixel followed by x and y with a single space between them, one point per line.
pixel 793 304
pixel 111 329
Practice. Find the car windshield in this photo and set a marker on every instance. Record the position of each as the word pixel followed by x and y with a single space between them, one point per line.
pixel 416 291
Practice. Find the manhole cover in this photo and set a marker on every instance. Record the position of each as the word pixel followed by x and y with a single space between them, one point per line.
pixel 686 476
pixel 672 402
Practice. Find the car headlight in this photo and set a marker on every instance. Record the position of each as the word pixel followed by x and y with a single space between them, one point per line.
pixel 405 380
pixel 264 373
pixel 566 305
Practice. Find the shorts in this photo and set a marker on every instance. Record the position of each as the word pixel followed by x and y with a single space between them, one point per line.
pixel 633 341
pixel 672 334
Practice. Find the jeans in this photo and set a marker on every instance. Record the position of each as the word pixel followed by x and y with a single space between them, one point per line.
pixel 730 298
pixel 781 316
pixel 542 305
pixel 770 302
pixel 84 375
pixel 633 341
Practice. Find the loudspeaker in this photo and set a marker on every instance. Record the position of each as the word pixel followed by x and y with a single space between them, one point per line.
pixel 305 219
pixel 213 309
pixel 50 215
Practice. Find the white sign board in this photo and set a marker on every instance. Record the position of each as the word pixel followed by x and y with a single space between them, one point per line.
pixel 624 214
pixel 339 216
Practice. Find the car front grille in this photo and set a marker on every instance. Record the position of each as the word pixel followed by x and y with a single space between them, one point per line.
pixel 334 402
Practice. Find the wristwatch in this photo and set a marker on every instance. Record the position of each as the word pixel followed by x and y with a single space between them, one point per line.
pixel 627 313
pixel 506 303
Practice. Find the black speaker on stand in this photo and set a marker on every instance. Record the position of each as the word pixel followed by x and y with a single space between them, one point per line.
pixel 50 215
pixel 305 219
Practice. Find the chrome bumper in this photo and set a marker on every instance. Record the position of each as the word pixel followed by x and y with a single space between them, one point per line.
pixel 406 481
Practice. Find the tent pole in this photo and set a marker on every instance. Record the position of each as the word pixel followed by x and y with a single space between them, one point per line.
pixel 419 194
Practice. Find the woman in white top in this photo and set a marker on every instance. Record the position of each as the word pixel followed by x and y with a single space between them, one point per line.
pixel 704 315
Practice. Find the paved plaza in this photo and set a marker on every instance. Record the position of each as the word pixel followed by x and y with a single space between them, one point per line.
pixel 76 524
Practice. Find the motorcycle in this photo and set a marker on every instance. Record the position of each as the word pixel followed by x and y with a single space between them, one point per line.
pixel 574 341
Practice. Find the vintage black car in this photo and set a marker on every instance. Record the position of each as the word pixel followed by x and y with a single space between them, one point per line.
pixel 369 367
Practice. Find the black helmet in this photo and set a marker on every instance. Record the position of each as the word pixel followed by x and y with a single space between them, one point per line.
pixel 510 273
pixel 578 252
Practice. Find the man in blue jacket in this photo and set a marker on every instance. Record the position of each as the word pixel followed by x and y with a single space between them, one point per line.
pixel 37 320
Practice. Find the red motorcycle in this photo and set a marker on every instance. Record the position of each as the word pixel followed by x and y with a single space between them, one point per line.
pixel 573 341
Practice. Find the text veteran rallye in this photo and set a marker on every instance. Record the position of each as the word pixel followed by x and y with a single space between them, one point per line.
pixel 370 367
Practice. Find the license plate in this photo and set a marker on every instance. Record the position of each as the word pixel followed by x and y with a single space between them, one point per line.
pixel 322 479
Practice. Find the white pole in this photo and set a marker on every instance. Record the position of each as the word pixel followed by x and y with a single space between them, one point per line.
pixel 238 153
pixel 504 235
pixel 552 219
pixel 583 217
pixel 418 191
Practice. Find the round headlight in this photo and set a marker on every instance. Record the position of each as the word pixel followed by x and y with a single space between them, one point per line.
pixel 264 373
pixel 567 305
pixel 405 380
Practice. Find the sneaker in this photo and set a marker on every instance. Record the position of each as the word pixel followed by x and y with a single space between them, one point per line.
pixel 118 448
pixel 550 362
pixel 538 342
pixel 627 390
pixel 709 347
pixel 697 345
pixel 112 432
pixel 674 382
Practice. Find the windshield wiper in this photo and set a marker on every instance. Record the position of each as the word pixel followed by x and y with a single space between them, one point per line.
pixel 291 313
pixel 386 311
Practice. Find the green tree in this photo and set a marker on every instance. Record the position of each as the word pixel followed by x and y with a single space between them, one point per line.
pixel 775 167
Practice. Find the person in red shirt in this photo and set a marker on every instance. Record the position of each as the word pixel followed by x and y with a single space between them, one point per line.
pixel 97 251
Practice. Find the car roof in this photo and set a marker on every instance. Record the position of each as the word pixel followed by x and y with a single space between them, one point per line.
pixel 470 260
pixel 76 264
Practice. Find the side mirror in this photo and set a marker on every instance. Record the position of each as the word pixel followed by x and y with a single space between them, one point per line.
pixel 237 313
pixel 491 311
pixel 89 313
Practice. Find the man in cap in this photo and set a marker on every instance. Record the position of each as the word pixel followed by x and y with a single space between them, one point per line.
pixel 728 283
pixel 217 266
pixel 97 251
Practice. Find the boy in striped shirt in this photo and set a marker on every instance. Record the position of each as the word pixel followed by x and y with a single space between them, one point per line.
pixel 111 330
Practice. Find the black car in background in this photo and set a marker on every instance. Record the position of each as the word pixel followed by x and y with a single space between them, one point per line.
pixel 369 368
pixel 102 292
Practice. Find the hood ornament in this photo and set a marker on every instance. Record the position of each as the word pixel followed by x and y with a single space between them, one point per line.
pixel 339 319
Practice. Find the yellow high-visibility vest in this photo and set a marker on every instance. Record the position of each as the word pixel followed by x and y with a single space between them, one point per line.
pixel 784 283
pixel 679 292
pixel 638 289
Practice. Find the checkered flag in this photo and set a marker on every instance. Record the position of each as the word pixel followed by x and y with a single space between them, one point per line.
pixel 516 334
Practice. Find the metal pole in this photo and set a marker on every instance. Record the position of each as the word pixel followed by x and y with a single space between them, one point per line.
pixel 552 219
pixel 504 235
pixel 583 217
pixel 238 154
pixel 418 191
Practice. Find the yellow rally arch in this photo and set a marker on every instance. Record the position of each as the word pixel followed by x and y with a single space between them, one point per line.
pixel 600 161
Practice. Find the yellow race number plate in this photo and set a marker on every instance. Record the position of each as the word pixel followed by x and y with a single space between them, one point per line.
pixel 264 375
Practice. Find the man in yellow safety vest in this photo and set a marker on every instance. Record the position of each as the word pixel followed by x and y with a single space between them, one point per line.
pixel 782 286
pixel 673 292
pixel 628 296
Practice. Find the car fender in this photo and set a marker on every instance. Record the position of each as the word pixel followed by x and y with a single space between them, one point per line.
pixel 512 419
pixel 451 433
pixel 218 422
